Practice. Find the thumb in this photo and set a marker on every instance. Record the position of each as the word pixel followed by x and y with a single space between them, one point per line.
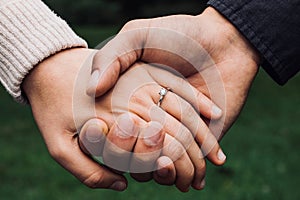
pixel 114 58
pixel 64 148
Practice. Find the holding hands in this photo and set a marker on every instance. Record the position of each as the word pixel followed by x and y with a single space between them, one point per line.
pixel 125 125
pixel 207 49
pixel 222 67
pixel 136 92
pixel 155 100
pixel 164 145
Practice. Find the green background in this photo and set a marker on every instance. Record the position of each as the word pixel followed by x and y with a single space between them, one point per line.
pixel 109 12
pixel 262 147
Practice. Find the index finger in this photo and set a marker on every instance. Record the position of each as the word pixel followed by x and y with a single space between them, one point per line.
pixel 114 58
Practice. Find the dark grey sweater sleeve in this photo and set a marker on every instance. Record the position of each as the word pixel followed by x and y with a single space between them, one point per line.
pixel 272 27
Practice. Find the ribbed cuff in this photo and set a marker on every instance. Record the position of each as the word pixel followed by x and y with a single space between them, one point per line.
pixel 29 33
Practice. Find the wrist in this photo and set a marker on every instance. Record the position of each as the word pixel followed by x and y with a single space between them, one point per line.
pixel 230 34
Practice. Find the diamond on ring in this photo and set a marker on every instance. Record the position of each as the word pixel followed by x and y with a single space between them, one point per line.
pixel 162 93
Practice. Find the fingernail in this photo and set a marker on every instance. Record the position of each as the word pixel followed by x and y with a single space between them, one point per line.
pixel 126 127
pixel 199 185
pixel 216 110
pixel 94 134
pixel 94 80
pixel 118 186
pixel 202 184
pixel 152 134
pixel 221 155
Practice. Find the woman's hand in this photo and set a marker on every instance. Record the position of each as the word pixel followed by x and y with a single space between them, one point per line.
pixel 49 89
pixel 137 92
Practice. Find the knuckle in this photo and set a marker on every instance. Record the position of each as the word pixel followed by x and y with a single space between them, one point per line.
pixel 189 118
pixel 174 150
pixel 58 152
pixel 188 111
pixel 201 167
pixel 146 158
pixel 200 170
pixel 97 58
pixel 189 172
pixel 203 102
pixel 137 24
pixel 185 137
pixel 132 24
pixel 209 143
pixel 94 180
pixel 137 99
pixel 179 82
pixel 200 96
pixel 200 99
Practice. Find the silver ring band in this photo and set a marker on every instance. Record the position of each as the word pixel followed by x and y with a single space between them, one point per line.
pixel 163 92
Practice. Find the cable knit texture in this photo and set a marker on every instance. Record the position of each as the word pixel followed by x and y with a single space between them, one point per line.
pixel 29 33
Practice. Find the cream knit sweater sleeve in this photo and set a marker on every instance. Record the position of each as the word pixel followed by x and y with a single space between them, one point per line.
pixel 29 33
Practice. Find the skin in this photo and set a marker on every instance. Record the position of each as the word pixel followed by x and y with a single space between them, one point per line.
pixel 235 59
pixel 224 69
pixel 135 91
pixel 50 90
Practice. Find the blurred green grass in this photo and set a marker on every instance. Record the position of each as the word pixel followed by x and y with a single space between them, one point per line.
pixel 262 150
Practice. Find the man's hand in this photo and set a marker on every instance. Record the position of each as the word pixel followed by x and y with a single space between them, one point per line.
pixel 224 64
